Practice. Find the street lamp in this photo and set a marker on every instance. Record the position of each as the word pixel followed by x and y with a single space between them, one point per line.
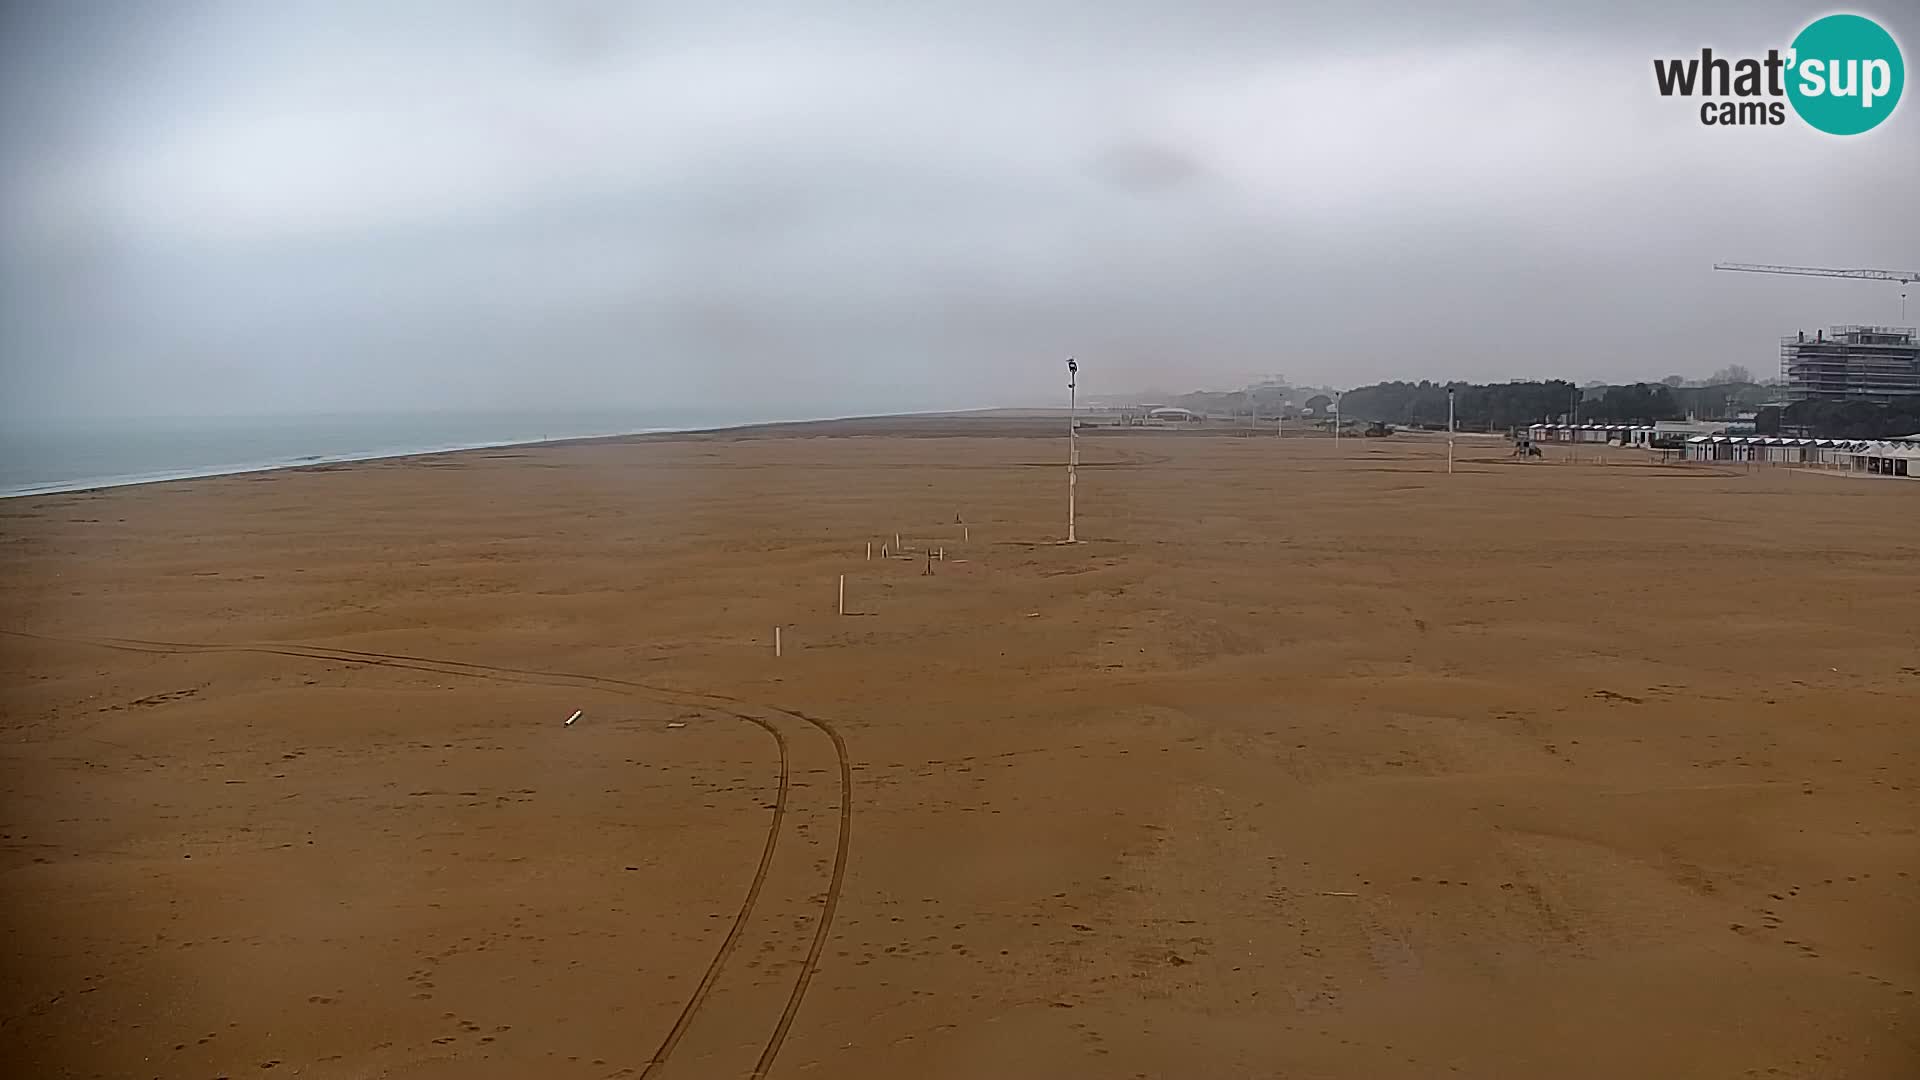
pixel 1073 444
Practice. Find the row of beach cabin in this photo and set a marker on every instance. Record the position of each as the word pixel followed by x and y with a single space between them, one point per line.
pixel 1643 436
pixel 1874 457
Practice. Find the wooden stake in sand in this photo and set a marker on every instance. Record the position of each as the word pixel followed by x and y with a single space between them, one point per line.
pixel 776 641
pixel 843 594
pixel 896 541
pixel 869 551
pixel 966 532
pixel 571 719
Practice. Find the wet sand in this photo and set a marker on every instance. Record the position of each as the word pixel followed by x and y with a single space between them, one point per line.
pixel 1309 762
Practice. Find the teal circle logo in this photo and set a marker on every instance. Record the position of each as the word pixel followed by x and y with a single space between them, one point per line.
pixel 1847 74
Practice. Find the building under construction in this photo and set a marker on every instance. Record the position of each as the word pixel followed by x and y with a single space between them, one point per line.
pixel 1879 364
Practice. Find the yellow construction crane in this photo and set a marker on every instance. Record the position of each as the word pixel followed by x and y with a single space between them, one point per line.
pixel 1904 277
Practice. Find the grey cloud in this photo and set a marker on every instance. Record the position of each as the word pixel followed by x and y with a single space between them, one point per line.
pixel 350 205
pixel 1146 168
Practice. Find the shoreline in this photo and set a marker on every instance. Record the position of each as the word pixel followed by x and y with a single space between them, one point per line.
pixel 74 487
pixel 988 422
pixel 91 484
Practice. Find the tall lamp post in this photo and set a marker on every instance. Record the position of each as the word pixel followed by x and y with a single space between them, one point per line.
pixel 1573 424
pixel 1073 441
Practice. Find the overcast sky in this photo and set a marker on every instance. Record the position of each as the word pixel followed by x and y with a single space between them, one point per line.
pixel 282 207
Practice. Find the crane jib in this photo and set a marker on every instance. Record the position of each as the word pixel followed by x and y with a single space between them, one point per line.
pixel 1904 277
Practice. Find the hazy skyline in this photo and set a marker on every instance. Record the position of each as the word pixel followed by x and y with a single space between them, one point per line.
pixel 231 208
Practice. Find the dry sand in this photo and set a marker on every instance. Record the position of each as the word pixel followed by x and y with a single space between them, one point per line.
pixel 1309 763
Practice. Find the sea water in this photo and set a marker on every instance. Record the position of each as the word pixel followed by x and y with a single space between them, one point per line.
pixel 42 456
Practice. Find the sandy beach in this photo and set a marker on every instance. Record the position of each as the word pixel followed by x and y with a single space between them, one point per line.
pixel 1311 761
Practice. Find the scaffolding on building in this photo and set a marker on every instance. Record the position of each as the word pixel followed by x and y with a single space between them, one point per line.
pixel 1879 364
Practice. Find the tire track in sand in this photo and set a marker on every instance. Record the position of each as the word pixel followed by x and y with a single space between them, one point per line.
pixel 713 702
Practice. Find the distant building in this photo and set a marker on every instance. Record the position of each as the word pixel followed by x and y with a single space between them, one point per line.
pixel 1621 434
pixel 1662 433
pixel 1879 364
pixel 1888 458
pixel 1683 429
pixel 1777 450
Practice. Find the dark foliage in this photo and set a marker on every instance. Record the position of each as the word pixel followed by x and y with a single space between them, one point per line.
pixel 1851 419
pixel 1494 407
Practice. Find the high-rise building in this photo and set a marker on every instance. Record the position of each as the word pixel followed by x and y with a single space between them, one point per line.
pixel 1879 364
